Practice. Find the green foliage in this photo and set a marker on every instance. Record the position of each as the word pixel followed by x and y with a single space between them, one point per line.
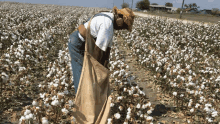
pixel 154 4
pixel 192 5
pixel 168 4
pixel 125 5
pixel 143 5
pixel 215 11
pixel 178 10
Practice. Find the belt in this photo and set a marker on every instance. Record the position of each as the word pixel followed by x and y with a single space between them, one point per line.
pixel 82 31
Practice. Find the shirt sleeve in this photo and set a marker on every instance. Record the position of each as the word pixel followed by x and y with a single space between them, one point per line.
pixel 105 34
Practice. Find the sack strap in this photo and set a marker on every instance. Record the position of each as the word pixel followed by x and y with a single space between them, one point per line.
pixel 100 14
pixel 88 42
pixel 82 29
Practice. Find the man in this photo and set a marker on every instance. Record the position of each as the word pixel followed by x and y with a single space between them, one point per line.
pixel 102 27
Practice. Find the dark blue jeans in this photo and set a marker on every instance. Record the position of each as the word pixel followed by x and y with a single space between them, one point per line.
pixel 76 49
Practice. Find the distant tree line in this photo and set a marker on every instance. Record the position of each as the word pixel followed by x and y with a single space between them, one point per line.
pixel 125 5
pixel 143 5
pixel 215 11
pixel 169 4
pixel 192 6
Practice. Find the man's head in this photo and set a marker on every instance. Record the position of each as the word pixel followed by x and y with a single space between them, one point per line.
pixel 123 18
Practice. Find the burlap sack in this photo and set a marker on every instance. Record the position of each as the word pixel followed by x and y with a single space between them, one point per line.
pixel 92 101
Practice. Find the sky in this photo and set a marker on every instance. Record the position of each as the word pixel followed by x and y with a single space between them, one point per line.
pixel 204 4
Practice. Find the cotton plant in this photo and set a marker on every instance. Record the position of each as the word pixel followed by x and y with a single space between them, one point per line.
pixel 57 94
pixel 38 46
pixel 179 55
pixel 186 58
pixel 126 97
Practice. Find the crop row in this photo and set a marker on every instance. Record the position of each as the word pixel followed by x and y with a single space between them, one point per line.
pixel 184 59
pixel 35 68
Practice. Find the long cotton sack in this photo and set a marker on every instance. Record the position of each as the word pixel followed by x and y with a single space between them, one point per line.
pixel 92 101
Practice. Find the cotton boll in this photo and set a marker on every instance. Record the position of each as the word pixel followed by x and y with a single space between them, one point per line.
pixel 55 103
pixel 31 116
pixel 174 93
pixel 132 88
pixel 149 118
pixel 139 113
pixel 209 120
pixel 112 105
pixel 188 121
pixel 45 120
pixel 5 77
pixel 117 116
pixel 70 102
pixel 125 123
pixel 27 117
pixel 66 91
pixel 130 92
pixel 181 95
pixel 109 121
pixel 129 109
pixel 128 116
pixel 21 119
pixel 125 89
pixel 208 105
pixel 206 109
pixel 149 111
pixel 143 106
pixel 197 105
pixel 138 106
pixel 28 82
pixel 148 104
pixel 142 115
pixel 192 110
pixel 196 92
pixel 165 76
pixel 115 73
pixel 127 67
pixel 65 111
pixel 189 104
pixel 141 92
pixel 119 98
pixel 191 92
pixel 214 114
pixel 27 112
pixel 119 75
pixel 35 103
pixel 120 108
pixel 218 79
pixel 126 74
pixel 54 98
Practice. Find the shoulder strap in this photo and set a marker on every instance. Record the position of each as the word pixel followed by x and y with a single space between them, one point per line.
pixel 88 41
pixel 100 14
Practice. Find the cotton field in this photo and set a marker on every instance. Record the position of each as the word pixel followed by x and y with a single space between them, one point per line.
pixel 36 77
pixel 185 59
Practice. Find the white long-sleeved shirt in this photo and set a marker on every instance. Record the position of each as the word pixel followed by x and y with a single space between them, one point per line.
pixel 102 29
